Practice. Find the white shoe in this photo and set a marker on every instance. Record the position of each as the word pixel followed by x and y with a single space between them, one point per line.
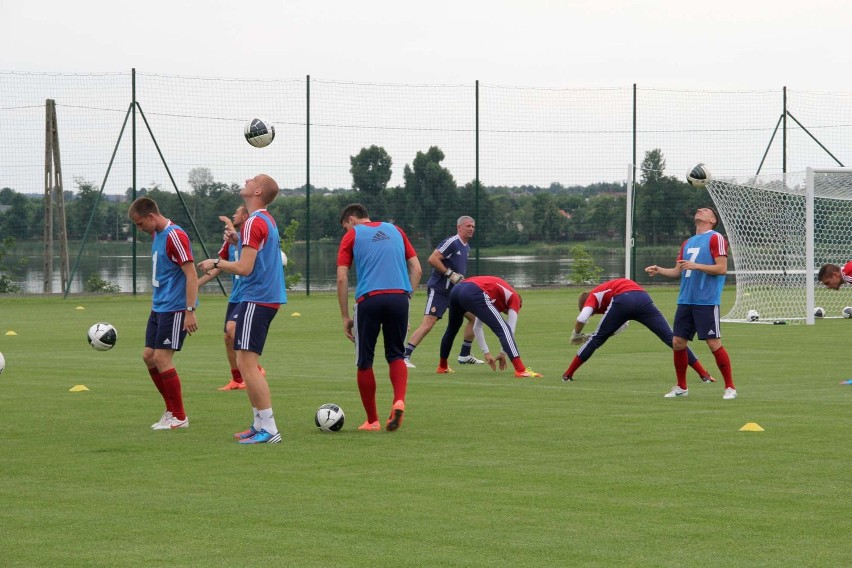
pixel 470 360
pixel 409 364
pixel 676 391
pixel 163 421
pixel 172 423
pixel 729 393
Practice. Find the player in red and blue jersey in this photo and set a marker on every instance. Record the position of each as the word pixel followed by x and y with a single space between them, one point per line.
pixel 486 297
pixel 388 272
pixel 263 291
pixel 833 277
pixel 175 296
pixel 620 301
pixel 701 267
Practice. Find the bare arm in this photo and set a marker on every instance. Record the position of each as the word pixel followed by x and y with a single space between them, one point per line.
pixel 343 300
pixel 653 270
pixel 414 272
pixel 208 276
pixel 242 267
pixel 190 322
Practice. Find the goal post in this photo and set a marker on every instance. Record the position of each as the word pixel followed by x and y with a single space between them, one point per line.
pixel 781 229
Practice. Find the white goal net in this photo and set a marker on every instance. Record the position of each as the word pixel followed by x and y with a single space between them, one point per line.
pixel 781 230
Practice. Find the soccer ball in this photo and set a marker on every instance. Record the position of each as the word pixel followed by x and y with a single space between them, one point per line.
pixel 259 133
pixel 283 258
pixel 819 312
pixel 752 315
pixel 847 312
pixel 2 363
pixel 698 176
pixel 329 418
pixel 102 336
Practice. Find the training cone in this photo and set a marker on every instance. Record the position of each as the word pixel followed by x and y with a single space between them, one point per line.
pixel 79 308
pixel 751 427
pixel 78 388
pixel 296 314
pixel 10 332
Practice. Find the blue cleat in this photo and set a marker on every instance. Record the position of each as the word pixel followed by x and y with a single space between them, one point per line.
pixel 245 433
pixel 263 437
pixel 846 382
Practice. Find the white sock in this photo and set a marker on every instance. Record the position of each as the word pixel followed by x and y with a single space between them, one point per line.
pixel 256 417
pixel 267 421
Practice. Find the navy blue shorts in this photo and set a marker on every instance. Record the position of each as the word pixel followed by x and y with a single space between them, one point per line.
pixel 387 313
pixel 691 319
pixel 231 313
pixel 436 303
pixel 165 330
pixel 252 326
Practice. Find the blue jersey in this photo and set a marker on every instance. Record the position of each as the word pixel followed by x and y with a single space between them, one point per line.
pixel 265 284
pixel 697 287
pixel 169 251
pixel 455 254
pixel 237 282
pixel 380 262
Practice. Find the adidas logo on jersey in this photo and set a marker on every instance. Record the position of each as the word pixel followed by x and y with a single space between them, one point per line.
pixel 380 236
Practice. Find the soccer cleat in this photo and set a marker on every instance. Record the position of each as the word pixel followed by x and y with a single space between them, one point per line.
pixel 233 385
pixel 370 426
pixel 444 370
pixel 409 364
pixel 566 378
pixel 846 382
pixel 262 372
pixel 172 423
pixel 245 433
pixel 395 419
pixel 527 373
pixel 262 437
pixel 730 393
pixel 162 422
pixel 470 360
pixel 676 391
pixel 707 379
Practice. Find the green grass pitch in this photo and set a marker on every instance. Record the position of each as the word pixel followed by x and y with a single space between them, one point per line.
pixel 487 470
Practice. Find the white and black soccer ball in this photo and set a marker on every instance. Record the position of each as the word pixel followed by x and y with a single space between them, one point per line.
pixel 847 312
pixel 102 336
pixel 2 363
pixel 819 312
pixel 259 133
pixel 752 315
pixel 698 176
pixel 329 418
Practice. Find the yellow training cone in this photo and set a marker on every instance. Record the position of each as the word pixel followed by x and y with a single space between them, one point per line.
pixel 78 388
pixel 10 332
pixel 79 308
pixel 296 314
pixel 751 427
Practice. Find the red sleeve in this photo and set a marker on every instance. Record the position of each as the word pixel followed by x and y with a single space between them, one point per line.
pixel 847 270
pixel 255 231
pixel 718 245
pixel 409 250
pixel 223 252
pixel 680 254
pixel 515 302
pixel 345 251
pixel 177 247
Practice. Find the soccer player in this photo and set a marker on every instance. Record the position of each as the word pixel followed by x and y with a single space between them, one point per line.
pixel 486 297
pixel 263 291
pixel 449 265
pixel 174 299
pixel 832 276
pixel 701 267
pixel 230 251
pixel 388 272
pixel 620 301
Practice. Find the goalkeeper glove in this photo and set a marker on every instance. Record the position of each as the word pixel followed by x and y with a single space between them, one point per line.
pixel 578 338
pixel 454 277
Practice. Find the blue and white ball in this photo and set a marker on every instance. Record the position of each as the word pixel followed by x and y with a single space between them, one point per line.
pixel 259 133
pixel 102 336
pixel 819 312
pixel 329 418
pixel 847 312
pixel 752 315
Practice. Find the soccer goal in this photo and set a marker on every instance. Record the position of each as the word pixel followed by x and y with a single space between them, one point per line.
pixel 781 230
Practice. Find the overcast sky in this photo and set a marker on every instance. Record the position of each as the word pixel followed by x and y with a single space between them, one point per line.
pixel 717 45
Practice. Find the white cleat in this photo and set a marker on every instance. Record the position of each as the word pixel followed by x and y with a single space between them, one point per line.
pixel 470 360
pixel 729 393
pixel 172 423
pixel 409 364
pixel 161 424
pixel 676 391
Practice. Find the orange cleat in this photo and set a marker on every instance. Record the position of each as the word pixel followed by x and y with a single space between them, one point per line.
pixel 527 373
pixel 262 371
pixel 395 419
pixel 233 385
pixel 444 370
pixel 370 426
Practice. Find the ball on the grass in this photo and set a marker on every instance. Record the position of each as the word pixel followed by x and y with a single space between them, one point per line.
pixel 698 176
pixel 819 312
pixel 102 336
pixel 329 418
pixel 847 312
pixel 259 133
pixel 752 315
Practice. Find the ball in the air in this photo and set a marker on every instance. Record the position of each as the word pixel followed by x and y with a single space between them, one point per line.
pixel 329 418
pixel 102 336
pixel 259 133
pixel 819 312
pixel 847 312
pixel 752 315
pixel 698 176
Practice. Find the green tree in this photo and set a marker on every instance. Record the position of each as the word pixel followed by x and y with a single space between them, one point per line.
pixel 584 270
pixel 429 188
pixel 371 170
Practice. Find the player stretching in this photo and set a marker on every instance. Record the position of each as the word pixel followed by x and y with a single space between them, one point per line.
pixel 701 266
pixel 832 276
pixel 486 297
pixel 388 272
pixel 175 296
pixel 259 264
pixel 619 301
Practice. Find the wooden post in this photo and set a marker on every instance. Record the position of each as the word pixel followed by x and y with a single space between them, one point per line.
pixel 54 197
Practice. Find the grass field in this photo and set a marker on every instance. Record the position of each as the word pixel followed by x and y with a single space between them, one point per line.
pixel 487 470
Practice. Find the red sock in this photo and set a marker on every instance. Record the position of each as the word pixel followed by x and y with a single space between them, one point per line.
pixel 681 363
pixel 171 384
pixel 518 365
pixel 158 382
pixel 236 375
pixel 699 368
pixel 399 378
pixel 367 388
pixel 724 364
pixel 575 364
pixel 443 363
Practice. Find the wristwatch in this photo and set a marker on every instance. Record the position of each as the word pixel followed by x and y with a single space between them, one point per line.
pixel 216 262
pixel 190 308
